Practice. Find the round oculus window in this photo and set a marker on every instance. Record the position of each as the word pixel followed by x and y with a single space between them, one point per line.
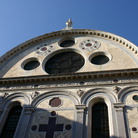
pixel 31 65
pixel 99 59
pixel 67 43
pixel 135 98
pixel 66 62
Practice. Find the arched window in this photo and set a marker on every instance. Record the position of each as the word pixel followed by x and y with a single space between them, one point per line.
pixel 100 124
pixel 11 122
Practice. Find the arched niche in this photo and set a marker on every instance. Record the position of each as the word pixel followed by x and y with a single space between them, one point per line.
pixel 93 97
pixel 53 109
pixel 129 96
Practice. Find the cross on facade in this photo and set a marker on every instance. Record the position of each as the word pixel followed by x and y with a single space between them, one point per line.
pixel 51 127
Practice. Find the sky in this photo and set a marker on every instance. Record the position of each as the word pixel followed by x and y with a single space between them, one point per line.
pixel 21 20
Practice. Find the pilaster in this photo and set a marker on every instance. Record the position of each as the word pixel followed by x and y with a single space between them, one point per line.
pixel 80 121
pixel 120 119
pixel 24 122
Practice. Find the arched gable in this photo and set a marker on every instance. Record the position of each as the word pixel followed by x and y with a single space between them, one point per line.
pixel 117 52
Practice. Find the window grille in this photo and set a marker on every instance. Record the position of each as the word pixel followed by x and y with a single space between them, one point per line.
pixel 100 124
pixel 11 122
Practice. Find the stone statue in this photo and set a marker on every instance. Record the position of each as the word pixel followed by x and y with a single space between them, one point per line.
pixel 69 23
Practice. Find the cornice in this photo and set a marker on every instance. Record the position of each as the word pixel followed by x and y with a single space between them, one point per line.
pixel 72 32
pixel 72 76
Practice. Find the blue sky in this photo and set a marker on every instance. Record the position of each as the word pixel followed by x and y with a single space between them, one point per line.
pixel 21 20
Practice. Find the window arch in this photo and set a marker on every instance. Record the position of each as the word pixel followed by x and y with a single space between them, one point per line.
pixel 11 122
pixel 100 123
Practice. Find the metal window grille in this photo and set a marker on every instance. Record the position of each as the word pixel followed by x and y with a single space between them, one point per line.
pixel 100 124
pixel 11 122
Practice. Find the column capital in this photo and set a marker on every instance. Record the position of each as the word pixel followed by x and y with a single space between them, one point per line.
pixel 79 122
pixel 80 108
pixel 119 106
pixel 28 109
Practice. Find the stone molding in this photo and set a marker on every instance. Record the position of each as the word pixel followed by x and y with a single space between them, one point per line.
pixel 80 107
pixel 12 84
pixel 74 76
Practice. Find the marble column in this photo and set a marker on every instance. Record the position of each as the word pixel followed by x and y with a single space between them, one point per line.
pixel 24 122
pixel 80 121
pixel 120 119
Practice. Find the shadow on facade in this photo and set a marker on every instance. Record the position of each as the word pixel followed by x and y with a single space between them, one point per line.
pixel 56 124
pixel 114 137
pixel 52 123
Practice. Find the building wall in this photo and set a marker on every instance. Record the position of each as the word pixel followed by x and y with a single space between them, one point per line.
pixel 64 101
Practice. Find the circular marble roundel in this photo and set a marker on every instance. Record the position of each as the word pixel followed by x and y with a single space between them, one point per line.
pixel 45 49
pixel 65 62
pixel 89 45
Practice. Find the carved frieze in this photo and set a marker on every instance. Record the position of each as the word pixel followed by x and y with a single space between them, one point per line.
pixel 68 84
pixel 80 93
pixel 116 89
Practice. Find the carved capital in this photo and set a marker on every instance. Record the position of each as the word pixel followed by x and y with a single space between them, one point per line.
pixel 29 109
pixel 80 108
pixel 119 106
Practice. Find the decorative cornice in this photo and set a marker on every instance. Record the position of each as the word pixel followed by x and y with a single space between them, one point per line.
pixel 72 76
pixel 78 32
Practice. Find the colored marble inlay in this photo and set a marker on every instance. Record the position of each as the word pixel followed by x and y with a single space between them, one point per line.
pixel 55 102
pixel 51 127
pixel 53 113
pixel 134 129
pixel 33 128
pixel 90 45
pixel 43 48
pixel 68 127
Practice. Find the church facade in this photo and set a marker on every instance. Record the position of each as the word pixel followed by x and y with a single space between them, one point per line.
pixel 73 83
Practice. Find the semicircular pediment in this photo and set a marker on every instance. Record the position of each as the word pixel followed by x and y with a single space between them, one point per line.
pixel 76 50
